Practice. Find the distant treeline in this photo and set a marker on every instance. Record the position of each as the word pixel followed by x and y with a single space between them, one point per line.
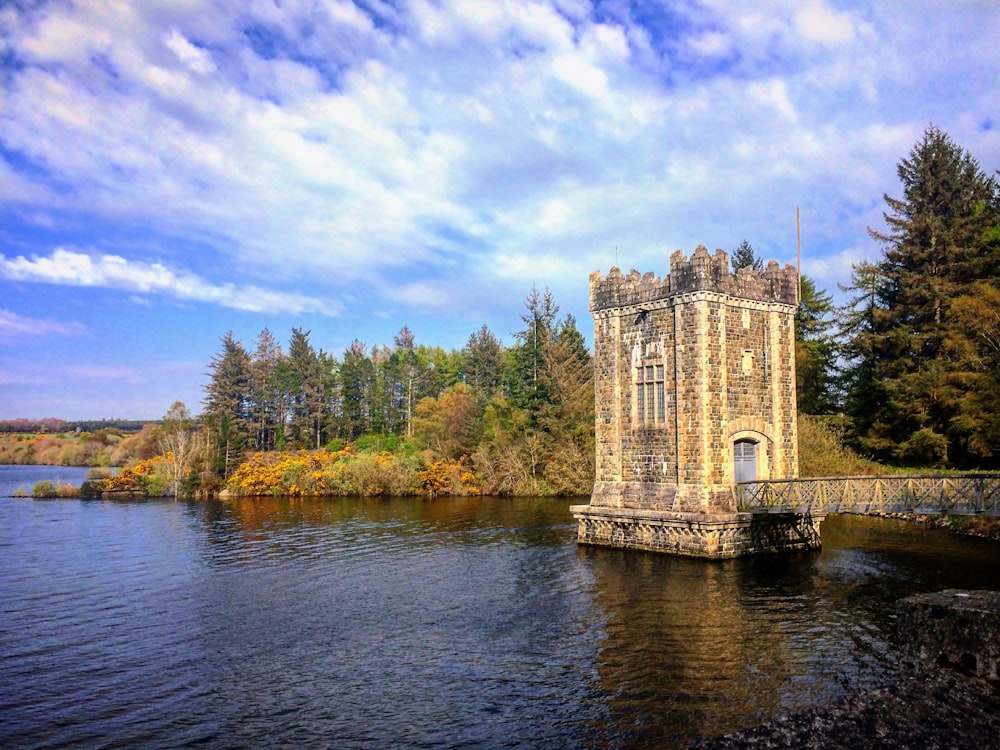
pixel 106 447
pixel 51 425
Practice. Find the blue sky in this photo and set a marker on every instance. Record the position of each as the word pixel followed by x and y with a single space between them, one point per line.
pixel 170 171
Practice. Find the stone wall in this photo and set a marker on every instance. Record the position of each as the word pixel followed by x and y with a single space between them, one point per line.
pixel 709 535
pixel 956 630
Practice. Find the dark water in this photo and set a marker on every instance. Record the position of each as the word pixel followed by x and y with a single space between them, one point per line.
pixel 417 623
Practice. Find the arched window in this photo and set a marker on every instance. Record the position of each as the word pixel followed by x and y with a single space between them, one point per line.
pixel 745 461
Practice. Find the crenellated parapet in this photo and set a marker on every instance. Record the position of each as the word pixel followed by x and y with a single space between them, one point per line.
pixel 702 272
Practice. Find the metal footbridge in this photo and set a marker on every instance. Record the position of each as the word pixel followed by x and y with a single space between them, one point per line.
pixel 925 494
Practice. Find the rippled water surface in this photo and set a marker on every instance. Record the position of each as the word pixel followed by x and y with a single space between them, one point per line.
pixel 445 623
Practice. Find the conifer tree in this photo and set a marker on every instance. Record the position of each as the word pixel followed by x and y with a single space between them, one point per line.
pixel 308 403
pixel 267 401
pixel 937 250
pixel 357 377
pixel 526 382
pixel 743 257
pixel 860 325
pixel 815 351
pixel 483 365
pixel 227 402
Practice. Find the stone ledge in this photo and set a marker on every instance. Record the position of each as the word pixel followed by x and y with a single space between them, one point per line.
pixel 930 711
pixel 705 535
pixel 659 516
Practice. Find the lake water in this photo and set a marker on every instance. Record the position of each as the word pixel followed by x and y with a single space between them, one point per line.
pixel 425 623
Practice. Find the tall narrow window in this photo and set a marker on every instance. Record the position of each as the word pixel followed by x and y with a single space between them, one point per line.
pixel 661 396
pixel 650 389
pixel 641 396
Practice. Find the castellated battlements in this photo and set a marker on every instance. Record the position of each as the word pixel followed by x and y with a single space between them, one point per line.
pixel 703 272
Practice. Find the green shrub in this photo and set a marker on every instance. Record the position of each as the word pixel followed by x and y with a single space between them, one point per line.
pixel 66 490
pixel 823 452
pixel 377 443
pixel 91 489
pixel 44 489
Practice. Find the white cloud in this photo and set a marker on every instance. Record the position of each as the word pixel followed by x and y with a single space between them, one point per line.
pixel 774 93
pixel 14 325
pixel 72 268
pixel 580 74
pixel 819 23
pixel 710 44
pixel 323 142
pixel 53 374
pixel 194 58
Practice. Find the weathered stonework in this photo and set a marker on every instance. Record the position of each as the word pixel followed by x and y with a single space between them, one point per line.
pixel 715 535
pixel 689 370
pixel 956 630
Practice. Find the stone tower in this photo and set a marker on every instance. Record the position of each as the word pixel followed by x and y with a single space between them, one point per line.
pixel 695 391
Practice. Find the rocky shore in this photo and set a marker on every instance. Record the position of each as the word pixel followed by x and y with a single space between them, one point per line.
pixel 949 696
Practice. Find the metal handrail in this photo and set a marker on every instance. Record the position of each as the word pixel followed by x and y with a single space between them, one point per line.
pixel 956 494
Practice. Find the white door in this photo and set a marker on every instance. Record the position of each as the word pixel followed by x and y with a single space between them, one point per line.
pixel 745 461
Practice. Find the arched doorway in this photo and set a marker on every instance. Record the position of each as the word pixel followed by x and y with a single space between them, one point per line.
pixel 745 460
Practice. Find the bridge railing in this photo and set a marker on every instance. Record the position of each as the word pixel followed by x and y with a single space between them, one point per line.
pixel 956 494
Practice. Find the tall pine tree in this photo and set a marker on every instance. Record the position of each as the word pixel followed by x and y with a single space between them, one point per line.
pixel 227 403
pixel 815 351
pixel 937 250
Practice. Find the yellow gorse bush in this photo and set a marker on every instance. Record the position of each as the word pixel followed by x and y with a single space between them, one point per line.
pixel 449 477
pixel 296 474
pixel 139 478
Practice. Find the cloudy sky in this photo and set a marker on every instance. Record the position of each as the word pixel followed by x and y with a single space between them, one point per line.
pixel 174 169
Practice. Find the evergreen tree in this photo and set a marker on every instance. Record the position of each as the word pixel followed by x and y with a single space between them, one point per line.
pixel 861 379
pixel 483 365
pixel 357 377
pixel 267 402
pixel 308 402
pixel 743 257
pixel 568 418
pixel 227 400
pixel 815 351
pixel 526 381
pixel 440 369
pixel 937 249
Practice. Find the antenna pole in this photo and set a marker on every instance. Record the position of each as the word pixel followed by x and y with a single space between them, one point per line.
pixel 798 249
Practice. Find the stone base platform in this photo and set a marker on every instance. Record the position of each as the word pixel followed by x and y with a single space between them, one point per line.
pixel 708 535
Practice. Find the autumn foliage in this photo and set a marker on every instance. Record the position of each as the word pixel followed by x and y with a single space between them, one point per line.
pixel 449 477
pixel 326 473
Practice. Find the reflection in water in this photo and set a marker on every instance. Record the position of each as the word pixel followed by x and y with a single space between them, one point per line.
pixel 685 654
pixel 452 622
